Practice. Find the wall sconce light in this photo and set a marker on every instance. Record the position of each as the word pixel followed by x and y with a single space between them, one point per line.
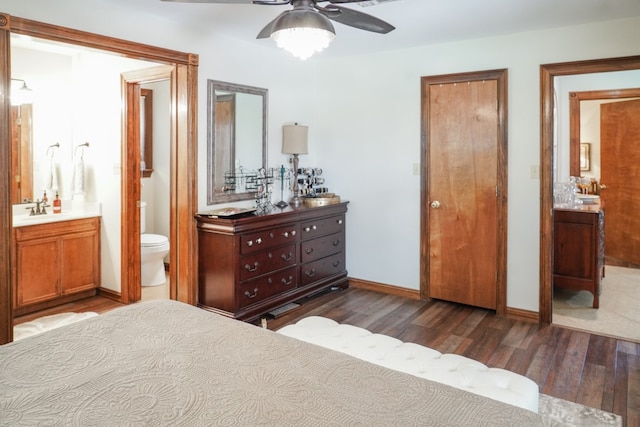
pixel 20 94
pixel 302 32
pixel 294 142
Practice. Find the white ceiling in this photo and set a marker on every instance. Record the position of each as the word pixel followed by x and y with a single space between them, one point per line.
pixel 417 22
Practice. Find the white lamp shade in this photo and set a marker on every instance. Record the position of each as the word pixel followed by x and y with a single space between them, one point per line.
pixel 294 139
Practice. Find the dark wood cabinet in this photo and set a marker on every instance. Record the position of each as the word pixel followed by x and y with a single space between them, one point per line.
pixel 578 249
pixel 249 265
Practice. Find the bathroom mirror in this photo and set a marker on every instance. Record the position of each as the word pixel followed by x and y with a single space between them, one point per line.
pixel 236 139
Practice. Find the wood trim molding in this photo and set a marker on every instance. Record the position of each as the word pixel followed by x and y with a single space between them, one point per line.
pixel 384 288
pixel 524 315
pixel 511 313
pixel 6 313
pixel 108 293
pixel 547 74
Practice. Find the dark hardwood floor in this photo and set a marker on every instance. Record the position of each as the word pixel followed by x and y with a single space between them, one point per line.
pixel 592 370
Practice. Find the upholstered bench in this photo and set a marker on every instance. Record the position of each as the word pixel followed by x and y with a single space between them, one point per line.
pixel 451 369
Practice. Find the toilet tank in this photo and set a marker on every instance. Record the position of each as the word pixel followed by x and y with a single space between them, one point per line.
pixel 143 216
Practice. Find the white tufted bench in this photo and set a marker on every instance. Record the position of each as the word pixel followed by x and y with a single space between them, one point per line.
pixel 451 369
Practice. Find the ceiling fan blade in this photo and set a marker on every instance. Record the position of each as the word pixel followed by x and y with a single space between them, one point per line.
pixel 355 19
pixel 212 1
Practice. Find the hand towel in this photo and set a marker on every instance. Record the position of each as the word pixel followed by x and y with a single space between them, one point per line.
pixel 78 175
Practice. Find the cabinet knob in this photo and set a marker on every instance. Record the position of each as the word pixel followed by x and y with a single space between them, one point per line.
pixel 252 295
pixel 250 268
pixel 286 257
pixel 435 204
pixel 308 229
pixel 285 234
pixel 340 221
pixel 259 240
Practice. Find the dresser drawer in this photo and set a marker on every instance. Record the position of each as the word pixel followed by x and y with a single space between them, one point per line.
pixel 322 268
pixel 320 227
pixel 253 291
pixel 260 263
pixel 321 247
pixel 253 242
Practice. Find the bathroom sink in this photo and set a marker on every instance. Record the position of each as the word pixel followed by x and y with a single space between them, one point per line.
pixel 45 216
pixel 22 220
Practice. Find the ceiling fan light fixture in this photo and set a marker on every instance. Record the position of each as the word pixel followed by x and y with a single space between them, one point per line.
pixel 302 32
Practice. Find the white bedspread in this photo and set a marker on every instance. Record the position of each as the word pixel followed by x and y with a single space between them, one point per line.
pixel 165 363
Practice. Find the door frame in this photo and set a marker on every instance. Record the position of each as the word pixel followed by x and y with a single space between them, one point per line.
pixel 574 118
pixel 183 191
pixel 131 180
pixel 500 75
pixel 547 124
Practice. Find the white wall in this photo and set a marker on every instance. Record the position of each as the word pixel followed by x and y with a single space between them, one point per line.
pixel 370 141
pixel 364 119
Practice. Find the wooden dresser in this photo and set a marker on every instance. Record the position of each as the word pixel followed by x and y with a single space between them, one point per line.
pixel 250 265
pixel 578 249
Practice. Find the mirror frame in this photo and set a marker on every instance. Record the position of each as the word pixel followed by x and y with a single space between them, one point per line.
pixel 547 124
pixel 213 85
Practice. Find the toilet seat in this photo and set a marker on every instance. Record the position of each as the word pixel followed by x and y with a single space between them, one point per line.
pixel 153 240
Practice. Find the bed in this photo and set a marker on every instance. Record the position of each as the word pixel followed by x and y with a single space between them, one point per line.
pixel 163 363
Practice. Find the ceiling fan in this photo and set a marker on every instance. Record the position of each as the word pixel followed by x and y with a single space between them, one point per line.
pixel 307 28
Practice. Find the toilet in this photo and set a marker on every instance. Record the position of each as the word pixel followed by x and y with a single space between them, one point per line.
pixel 153 249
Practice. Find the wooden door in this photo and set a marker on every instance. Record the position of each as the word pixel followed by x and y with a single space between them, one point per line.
pixel 620 157
pixel 465 192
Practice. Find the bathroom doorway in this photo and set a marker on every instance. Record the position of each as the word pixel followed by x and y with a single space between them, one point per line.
pixel 138 175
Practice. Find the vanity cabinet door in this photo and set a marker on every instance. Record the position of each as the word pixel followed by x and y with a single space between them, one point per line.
pixel 37 266
pixel 80 266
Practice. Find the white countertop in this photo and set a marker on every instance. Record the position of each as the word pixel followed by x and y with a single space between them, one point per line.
pixel 70 211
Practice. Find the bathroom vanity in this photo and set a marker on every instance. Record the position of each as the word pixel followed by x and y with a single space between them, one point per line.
pixel 252 264
pixel 56 260
pixel 578 249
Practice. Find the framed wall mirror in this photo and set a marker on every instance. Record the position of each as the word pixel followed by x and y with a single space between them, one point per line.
pixel 236 139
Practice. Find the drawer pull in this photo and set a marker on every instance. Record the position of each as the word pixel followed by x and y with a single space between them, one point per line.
pixel 251 295
pixel 336 242
pixel 309 251
pixel 308 229
pixel 339 221
pixel 251 269
pixel 336 263
pixel 310 273
pixel 293 233
pixel 287 282
pixel 286 257
pixel 259 240
pixel 250 243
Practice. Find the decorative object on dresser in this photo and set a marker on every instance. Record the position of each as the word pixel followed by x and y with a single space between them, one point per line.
pixel 252 264
pixel 578 249
pixel 294 142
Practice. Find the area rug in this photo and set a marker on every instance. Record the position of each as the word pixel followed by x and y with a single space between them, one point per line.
pixel 47 323
pixel 559 412
pixel 618 315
